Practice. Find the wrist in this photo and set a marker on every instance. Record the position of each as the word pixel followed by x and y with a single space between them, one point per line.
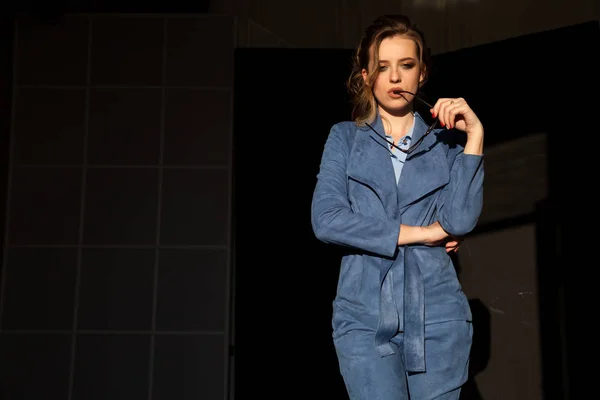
pixel 476 132
pixel 474 143
pixel 426 234
pixel 413 235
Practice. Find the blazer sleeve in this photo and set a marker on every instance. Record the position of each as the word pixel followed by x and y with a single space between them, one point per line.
pixel 333 221
pixel 461 200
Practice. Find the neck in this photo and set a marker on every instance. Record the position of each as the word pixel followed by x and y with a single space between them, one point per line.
pixel 397 124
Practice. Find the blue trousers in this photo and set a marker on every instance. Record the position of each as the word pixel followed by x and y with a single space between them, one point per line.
pixel 368 376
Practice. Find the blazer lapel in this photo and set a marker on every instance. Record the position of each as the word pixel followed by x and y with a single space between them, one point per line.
pixel 425 169
pixel 370 164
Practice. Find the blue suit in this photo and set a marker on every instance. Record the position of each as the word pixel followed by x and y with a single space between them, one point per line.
pixel 401 322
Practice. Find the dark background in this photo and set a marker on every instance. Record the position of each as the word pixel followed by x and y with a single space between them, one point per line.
pixel 283 300
pixel 127 272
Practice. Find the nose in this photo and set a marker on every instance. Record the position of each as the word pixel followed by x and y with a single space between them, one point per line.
pixel 394 76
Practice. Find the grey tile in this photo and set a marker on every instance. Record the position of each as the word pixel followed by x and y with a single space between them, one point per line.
pixel 189 367
pixel 44 206
pixel 40 288
pixel 195 207
pixel 200 51
pixel 125 126
pixel 198 127
pixel 121 206
pixel 111 367
pixel 34 366
pixel 49 126
pixel 116 289
pixel 52 51
pixel 191 289
pixel 260 37
pixel 127 50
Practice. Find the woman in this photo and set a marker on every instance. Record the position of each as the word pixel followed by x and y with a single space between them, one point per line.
pixel 398 195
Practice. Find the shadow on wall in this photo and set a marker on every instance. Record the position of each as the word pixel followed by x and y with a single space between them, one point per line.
pixel 480 349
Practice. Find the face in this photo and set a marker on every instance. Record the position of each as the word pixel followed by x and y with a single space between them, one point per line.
pixel 399 69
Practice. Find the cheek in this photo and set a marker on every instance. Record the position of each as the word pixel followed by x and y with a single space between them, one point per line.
pixel 412 80
pixel 378 84
pixel 418 76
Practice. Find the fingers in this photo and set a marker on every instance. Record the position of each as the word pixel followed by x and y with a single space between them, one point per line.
pixel 451 249
pixel 451 246
pixel 446 110
pixel 452 111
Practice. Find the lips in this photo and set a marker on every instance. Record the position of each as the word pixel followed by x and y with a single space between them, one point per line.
pixel 396 93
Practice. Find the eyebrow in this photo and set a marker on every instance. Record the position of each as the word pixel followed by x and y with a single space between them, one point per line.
pixel 402 59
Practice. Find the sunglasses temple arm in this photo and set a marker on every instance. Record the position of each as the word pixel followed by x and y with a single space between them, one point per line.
pixel 384 138
pixel 424 102
pixel 418 97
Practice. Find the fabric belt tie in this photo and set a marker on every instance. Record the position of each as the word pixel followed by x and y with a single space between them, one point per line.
pixel 411 304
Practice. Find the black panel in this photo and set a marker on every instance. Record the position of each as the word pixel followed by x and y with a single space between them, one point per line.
pixel 285 280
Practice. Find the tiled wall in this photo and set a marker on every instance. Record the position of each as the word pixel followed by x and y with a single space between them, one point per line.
pixel 449 25
pixel 117 249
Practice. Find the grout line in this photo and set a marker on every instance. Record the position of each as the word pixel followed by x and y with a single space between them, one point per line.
pixel 267 31
pixel 10 170
pixel 123 246
pixel 141 87
pixel 108 332
pixel 148 15
pixel 229 276
pixel 81 214
pixel 99 166
pixel 158 214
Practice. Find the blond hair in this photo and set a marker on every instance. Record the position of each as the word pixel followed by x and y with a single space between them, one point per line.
pixel 367 55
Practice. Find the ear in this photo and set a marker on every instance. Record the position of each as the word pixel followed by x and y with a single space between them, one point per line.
pixel 422 77
pixel 365 74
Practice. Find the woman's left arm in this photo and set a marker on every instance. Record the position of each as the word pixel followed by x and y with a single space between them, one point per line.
pixel 461 201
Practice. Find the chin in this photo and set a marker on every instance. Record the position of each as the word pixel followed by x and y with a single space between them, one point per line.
pixel 394 109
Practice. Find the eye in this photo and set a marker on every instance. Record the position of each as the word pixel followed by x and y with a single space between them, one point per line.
pixel 382 67
pixel 408 65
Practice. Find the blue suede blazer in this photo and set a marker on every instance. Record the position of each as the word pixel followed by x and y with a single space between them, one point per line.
pixel 383 287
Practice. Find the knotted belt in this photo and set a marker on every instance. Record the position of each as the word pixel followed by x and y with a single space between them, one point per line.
pixel 404 313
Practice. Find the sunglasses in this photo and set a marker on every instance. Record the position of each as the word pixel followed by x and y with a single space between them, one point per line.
pixel 413 146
